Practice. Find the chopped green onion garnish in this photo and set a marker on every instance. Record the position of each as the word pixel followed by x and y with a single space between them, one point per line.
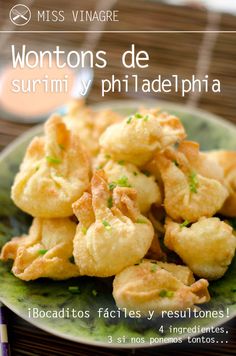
pixel 153 268
pixel 37 167
pixel 123 182
pixel 185 223
pixel 129 120
pixel 166 293
pixel 193 182
pixel 74 289
pixel 72 259
pixel 107 156
pixel 112 185
pixel 146 117
pixel 99 167
pixel 84 230
pixel 138 116
pixel 141 221
pixel 53 159
pixel 106 225
pixel 42 252
pixel 162 293
pixel 169 294
pixel 94 292
pixel 121 162
pixel 109 202
pixel 135 173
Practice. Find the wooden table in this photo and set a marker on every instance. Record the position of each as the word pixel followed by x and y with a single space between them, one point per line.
pixel 169 53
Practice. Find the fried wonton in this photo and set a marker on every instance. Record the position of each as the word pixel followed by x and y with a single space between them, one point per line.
pixel 53 174
pixel 126 174
pixel 112 233
pixel 45 252
pixel 156 286
pixel 188 194
pixel 207 246
pixel 89 124
pixel 139 136
pixel 227 160
pixel 201 162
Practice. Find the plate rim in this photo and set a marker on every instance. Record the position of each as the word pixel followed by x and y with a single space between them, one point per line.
pixel 116 104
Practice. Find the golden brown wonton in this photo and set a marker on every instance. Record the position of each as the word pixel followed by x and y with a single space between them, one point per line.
pixel 45 252
pixel 154 286
pixel 53 174
pixel 112 233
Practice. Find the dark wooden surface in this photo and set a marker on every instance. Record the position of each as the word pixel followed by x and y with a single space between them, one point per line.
pixel 169 53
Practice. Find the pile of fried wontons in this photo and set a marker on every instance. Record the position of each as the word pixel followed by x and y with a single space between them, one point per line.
pixel 114 196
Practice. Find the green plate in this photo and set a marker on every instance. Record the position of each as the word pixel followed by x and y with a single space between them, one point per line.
pixel 47 298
